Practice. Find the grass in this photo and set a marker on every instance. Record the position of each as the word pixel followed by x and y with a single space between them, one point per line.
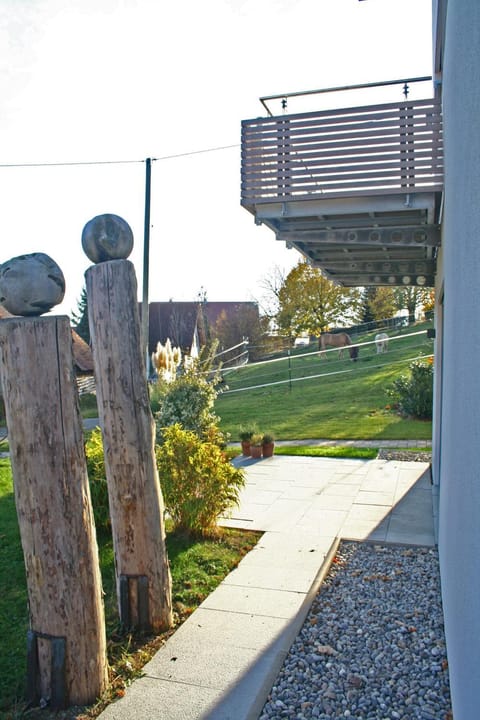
pixel 197 567
pixel 337 451
pixel 344 400
pixel 88 405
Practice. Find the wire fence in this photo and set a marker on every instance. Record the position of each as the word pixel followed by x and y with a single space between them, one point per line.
pixel 294 365
pixel 309 365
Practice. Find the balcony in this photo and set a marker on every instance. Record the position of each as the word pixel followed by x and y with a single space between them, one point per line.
pixel 357 191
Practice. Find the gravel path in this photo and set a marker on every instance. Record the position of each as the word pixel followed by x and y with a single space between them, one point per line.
pixel 373 645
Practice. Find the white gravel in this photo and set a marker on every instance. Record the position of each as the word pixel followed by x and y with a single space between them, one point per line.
pixel 373 644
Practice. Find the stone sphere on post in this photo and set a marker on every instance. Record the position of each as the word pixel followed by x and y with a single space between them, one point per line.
pixel 31 285
pixel 107 237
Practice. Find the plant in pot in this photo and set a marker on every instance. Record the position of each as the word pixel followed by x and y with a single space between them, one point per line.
pixel 245 435
pixel 268 445
pixel 256 445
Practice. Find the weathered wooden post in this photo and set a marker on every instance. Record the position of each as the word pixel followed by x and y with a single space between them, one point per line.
pixel 135 498
pixel 66 642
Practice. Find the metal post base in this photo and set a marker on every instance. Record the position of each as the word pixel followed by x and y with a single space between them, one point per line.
pixel 143 619
pixel 58 688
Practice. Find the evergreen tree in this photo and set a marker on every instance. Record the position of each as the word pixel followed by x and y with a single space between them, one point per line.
pixel 80 318
pixel 368 295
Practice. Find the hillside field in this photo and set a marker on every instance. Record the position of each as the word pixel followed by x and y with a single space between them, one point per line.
pixel 304 396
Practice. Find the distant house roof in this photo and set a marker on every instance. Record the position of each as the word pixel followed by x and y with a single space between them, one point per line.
pixel 213 310
pixel 174 320
pixel 188 322
pixel 82 354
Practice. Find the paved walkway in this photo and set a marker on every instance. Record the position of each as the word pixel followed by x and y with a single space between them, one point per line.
pixel 221 663
pixel 358 443
pixel 90 423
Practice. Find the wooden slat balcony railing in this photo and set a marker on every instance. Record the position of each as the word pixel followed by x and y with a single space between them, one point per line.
pixel 370 150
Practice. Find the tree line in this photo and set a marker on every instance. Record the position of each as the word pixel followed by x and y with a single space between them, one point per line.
pixel 305 302
pixel 300 302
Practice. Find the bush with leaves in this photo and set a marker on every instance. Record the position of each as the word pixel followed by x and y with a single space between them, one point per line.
pixel 188 400
pixel 413 393
pixel 97 479
pixel 198 482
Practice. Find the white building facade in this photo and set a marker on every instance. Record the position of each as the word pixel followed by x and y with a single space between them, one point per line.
pixel 456 466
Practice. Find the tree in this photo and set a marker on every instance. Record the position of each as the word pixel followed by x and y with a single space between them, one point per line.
pixel 230 329
pixel 368 295
pixel 411 298
pixel 379 303
pixel 429 303
pixel 309 302
pixel 272 283
pixel 80 318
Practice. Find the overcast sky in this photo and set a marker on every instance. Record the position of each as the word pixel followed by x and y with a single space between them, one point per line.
pixel 103 81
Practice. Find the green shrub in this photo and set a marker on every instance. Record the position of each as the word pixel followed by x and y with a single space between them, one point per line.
pixel 88 405
pixel 198 482
pixel 188 400
pixel 413 393
pixel 97 479
pixel 246 432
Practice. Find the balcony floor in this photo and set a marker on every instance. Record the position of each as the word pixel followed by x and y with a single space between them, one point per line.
pixel 360 241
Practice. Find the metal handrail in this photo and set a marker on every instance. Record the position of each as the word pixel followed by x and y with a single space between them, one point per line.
pixel 342 88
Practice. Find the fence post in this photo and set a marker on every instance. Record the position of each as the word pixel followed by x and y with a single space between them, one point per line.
pixel 289 370
pixel 66 645
pixel 136 503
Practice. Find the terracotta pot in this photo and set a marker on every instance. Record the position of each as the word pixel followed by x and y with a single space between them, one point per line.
pixel 245 447
pixel 256 451
pixel 267 449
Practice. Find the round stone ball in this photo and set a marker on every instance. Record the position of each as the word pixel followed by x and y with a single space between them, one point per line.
pixel 107 237
pixel 31 284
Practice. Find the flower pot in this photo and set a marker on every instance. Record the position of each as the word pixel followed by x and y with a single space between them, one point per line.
pixel 256 451
pixel 267 449
pixel 245 447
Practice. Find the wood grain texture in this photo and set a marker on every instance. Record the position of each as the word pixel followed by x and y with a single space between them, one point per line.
pixel 136 503
pixel 53 500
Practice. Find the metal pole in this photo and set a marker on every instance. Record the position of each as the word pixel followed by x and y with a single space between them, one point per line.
pixel 146 257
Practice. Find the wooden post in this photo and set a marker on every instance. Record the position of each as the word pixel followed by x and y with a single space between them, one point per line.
pixel 136 503
pixel 67 645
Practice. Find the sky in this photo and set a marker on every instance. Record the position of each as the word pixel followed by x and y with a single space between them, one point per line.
pixel 91 88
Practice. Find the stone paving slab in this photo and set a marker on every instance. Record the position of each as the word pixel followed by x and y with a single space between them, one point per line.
pixel 220 664
pixel 229 597
pixel 277 578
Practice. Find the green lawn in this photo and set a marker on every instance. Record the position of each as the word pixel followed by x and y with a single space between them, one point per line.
pixel 344 399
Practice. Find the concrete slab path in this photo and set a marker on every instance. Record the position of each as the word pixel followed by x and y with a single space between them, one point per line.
pixel 221 663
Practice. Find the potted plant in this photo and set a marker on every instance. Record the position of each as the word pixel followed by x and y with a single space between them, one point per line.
pixel 245 435
pixel 268 444
pixel 256 445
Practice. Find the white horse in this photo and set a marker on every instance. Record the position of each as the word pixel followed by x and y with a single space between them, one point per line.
pixel 381 342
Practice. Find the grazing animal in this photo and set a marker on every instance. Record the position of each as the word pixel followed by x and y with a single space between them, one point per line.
pixel 381 342
pixel 337 340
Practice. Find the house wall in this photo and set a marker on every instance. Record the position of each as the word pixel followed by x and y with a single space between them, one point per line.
pixel 459 476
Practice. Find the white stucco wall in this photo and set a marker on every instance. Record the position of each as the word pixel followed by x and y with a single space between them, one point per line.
pixel 459 514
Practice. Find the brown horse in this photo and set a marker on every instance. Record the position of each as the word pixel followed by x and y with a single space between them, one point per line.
pixel 337 340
